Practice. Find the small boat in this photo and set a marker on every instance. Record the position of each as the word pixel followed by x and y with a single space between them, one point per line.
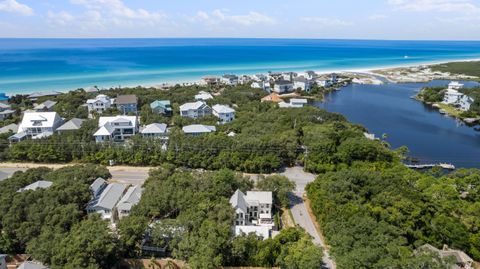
pixel 442 111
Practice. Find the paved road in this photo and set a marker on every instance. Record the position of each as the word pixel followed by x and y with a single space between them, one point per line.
pixel 127 175
pixel 300 212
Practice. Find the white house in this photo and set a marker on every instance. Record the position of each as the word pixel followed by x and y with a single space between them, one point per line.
pixel 99 104
pixel 455 98
pixel 230 80
pixel 41 184
pixel 259 77
pixel 105 204
pixel 39 124
pixel 203 96
pixel 198 129
pixel 289 75
pixel 131 198
pixel 283 86
pixel 302 83
pixel 224 113
pixel 117 128
pixel 294 103
pixel 455 85
pixel 323 83
pixel 195 110
pixel 5 111
pixel 255 208
pixel 155 130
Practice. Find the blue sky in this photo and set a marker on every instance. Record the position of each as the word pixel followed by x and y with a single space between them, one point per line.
pixel 356 19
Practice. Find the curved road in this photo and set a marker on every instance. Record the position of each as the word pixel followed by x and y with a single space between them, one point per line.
pixel 300 212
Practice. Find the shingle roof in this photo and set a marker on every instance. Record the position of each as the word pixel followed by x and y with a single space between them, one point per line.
pixel 42 94
pixel 192 106
pixel 223 109
pixel 110 196
pixel 131 198
pixel 71 125
pixel 155 128
pixel 41 184
pixel 238 200
pixel 263 197
pixel 165 104
pixel 283 82
pixel 97 185
pixel 198 128
pixel 45 105
pixel 11 127
pixel 126 99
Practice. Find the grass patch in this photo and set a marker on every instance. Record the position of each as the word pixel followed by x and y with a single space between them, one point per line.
pixel 460 68
pixel 450 110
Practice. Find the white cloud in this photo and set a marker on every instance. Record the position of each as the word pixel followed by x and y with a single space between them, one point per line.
pixel 326 22
pixel 13 6
pixel 376 17
pixel 462 6
pixel 117 12
pixel 218 16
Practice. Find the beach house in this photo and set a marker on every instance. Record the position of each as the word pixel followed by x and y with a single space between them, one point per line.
pixel 289 75
pixel 126 103
pixel 97 187
pixel 457 99
pixel 34 96
pixel 45 106
pixel 41 184
pixel 117 128
pixel 155 130
pixel 105 203
pixel 283 86
pixel 253 213
pixel 39 124
pixel 273 97
pixel 70 126
pixel 254 208
pixel 210 81
pixel 323 83
pixel 162 107
pixel 198 129
pixel 302 83
pixel 203 96
pixel 131 198
pixel 195 110
pixel 230 80
pixel 99 104
pixel 224 113
pixel 6 111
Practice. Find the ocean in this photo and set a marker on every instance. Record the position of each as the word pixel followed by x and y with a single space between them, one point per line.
pixel 28 65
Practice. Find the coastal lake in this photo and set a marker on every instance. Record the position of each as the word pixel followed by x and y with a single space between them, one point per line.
pixel 388 109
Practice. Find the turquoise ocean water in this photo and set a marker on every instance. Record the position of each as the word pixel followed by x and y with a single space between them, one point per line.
pixel 28 65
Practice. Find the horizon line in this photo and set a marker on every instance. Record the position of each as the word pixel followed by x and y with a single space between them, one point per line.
pixel 258 38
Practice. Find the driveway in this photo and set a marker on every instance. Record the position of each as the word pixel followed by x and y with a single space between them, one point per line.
pixel 300 213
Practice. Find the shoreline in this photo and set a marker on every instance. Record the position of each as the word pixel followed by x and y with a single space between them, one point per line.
pixel 372 71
